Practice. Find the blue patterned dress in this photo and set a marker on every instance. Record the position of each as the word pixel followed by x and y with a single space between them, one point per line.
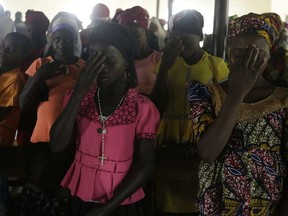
pixel 248 176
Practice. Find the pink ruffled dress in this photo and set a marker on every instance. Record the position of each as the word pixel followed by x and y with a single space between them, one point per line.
pixel 136 117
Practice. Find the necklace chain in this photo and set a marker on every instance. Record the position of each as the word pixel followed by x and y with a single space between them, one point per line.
pixel 103 120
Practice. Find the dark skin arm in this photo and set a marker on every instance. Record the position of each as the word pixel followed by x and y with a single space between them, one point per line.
pixel 29 97
pixel 140 171
pixel 158 94
pixel 62 130
pixel 242 78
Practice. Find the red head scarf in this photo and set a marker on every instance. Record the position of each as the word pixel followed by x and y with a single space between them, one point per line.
pixel 135 15
pixel 38 20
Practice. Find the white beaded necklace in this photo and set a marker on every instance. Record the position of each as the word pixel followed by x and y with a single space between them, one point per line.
pixel 103 130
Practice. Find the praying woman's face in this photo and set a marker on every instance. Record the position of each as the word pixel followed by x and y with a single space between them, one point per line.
pixel 190 43
pixel 114 64
pixel 63 43
pixel 138 32
pixel 239 46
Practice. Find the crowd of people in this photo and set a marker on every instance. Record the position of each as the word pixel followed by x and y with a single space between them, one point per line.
pixel 125 118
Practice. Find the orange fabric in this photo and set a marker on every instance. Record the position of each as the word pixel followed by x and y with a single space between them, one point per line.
pixel 11 85
pixel 48 111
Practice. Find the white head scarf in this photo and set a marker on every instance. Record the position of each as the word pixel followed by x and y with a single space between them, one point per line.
pixel 68 21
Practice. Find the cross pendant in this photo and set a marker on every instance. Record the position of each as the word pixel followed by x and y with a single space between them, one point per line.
pixel 102 158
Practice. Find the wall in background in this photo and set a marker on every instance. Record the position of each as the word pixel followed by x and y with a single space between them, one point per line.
pixel 280 7
pixel 83 8
pixel 241 7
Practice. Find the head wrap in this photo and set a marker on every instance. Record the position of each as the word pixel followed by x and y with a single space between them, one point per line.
pixel 267 25
pixel 100 12
pixel 38 20
pixel 135 15
pixel 189 21
pixel 117 36
pixel 67 21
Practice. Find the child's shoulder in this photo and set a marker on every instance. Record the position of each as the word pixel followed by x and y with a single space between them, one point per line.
pixel 140 101
pixel 135 96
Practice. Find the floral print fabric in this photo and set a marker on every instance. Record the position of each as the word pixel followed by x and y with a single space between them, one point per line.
pixel 247 177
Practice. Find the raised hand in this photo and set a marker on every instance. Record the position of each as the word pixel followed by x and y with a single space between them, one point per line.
pixel 172 50
pixel 244 71
pixel 49 70
pixel 89 74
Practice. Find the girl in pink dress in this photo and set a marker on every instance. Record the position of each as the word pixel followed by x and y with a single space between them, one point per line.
pixel 115 128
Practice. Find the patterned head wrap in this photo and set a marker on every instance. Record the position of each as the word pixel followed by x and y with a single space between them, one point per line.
pixel 267 25
pixel 117 36
pixel 190 21
pixel 67 21
pixel 37 19
pixel 135 15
